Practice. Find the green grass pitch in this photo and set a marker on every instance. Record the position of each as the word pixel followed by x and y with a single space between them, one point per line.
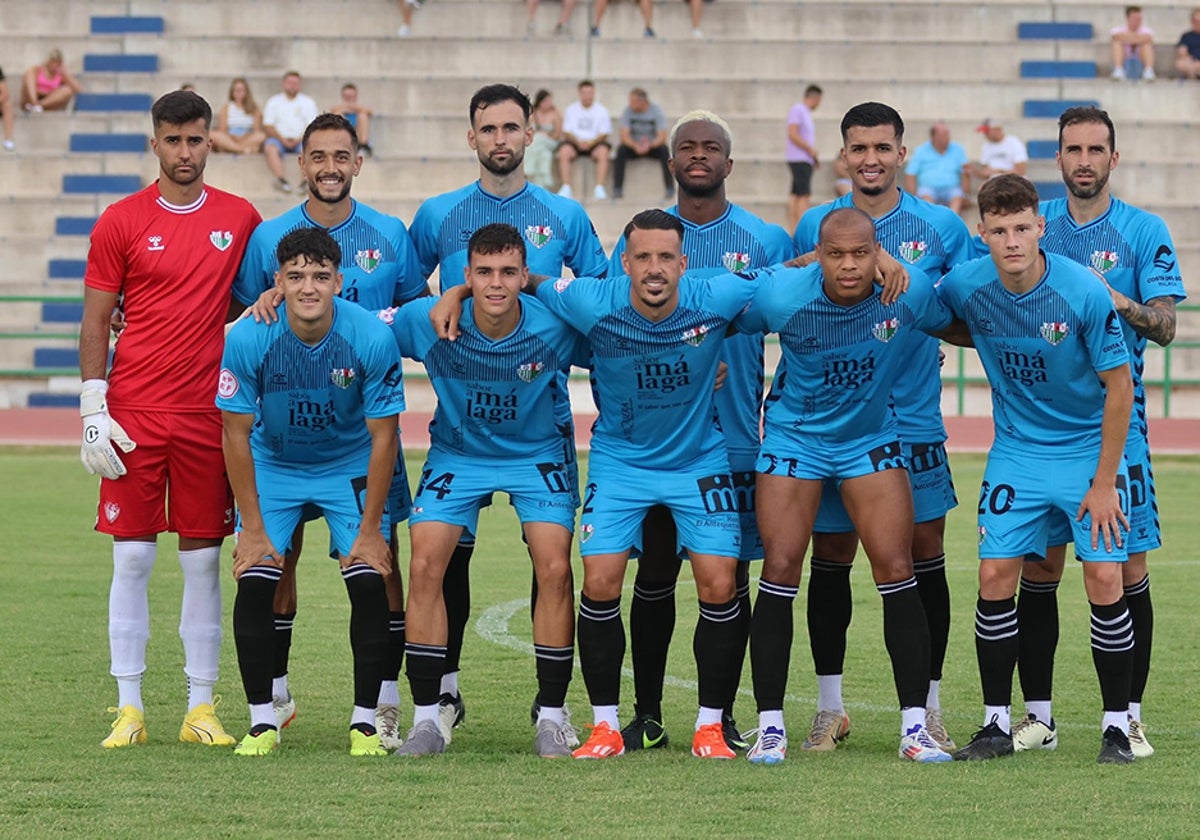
pixel 54 689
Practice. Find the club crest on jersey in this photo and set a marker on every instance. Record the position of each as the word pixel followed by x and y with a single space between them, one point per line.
pixel 914 250
pixel 221 239
pixel 388 316
pixel 560 285
pixel 1054 331
pixel 227 384
pixel 1104 260
pixel 982 534
pixel 111 511
pixel 696 335
pixel 342 377
pixel 735 261
pixel 585 532
pixel 369 259
pixel 885 331
pixel 531 371
pixel 539 235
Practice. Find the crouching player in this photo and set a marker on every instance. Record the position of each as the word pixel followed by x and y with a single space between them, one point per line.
pixel 310 406
pixel 1051 344
pixel 829 417
pixel 494 431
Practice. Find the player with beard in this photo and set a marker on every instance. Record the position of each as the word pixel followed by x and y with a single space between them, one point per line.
pixel 558 233
pixel 718 237
pixel 380 269
pixel 934 240
pixel 1133 251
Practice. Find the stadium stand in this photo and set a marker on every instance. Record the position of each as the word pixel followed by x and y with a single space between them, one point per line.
pixel 954 60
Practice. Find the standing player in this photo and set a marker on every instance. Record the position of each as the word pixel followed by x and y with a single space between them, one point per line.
pixel 933 239
pixel 718 237
pixel 1133 251
pixel 176 236
pixel 379 269
pixel 494 431
pixel 829 418
pixel 655 344
pixel 1051 346
pixel 310 407
pixel 560 235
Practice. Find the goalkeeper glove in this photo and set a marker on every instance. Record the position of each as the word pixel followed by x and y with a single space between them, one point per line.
pixel 100 432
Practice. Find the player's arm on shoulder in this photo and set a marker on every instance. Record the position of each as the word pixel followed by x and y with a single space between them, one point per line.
pixel 369 546
pixel 892 276
pixel 1154 320
pixel 445 314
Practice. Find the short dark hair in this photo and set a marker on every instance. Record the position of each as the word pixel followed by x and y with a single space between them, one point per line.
pixel 585 83
pixel 349 86
pixel 1007 194
pixel 180 107
pixel 654 219
pixel 313 243
pixel 295 73
pixel 1131 9
pixel 871 114
pixel 845 214
pixel 495 239
pixel 640 93
pixel 813 90
pixel 1087 114
pixel 330 122
pixel 489 95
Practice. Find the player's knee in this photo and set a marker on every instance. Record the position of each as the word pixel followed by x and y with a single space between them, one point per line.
pixel 836 548
pixel 892 568
pixel 425 574
pixel 718 591
pixel 554 578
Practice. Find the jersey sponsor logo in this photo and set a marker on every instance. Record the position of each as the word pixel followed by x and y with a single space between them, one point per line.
pixel 1054 331
pixel 368 259
pixel 913 250
pixel 695 336
pixel 1164 258
pixel 394 376
pixel 890 456
pixel 556 477
pixel 885 331
pixel 1023 367
pixel 850 373
pixel 111 511
pixel 718 493
pixel 735 261
pixel 560 285
pixel 221 239
pixel 1112 325
pixel 343 377
pixel 531 371
pixel 154 243
pixel 388 316
pixel 227 384
pixel 664 377
pixel 926 456
pixel 310 414
pixel 539 235
pixel 1102 261
pixel 586 531
pixel 491 408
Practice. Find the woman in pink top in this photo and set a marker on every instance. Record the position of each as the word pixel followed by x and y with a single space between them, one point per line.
pixel 49 86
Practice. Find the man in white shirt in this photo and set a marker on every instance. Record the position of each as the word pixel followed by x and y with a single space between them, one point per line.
pixel 285 116
pixel 1001 153
pixel 586 126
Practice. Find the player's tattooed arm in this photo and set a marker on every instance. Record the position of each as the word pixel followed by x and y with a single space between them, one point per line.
pixel 1154 319
pixel 802 260
pixel 535 280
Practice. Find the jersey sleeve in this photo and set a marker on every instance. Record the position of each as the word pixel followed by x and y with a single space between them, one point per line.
pixel 237 386
pixel 256 273
pixel 585 255
pixel 948 290
pixel 410 282
pixel 574 300
pixel 805 235
pixel 1102 332
pixel 423 233
pixel 411 328
pixel 1158 263
pixel 756 317
pixel 383 385
pixel 106 261
pixel 959 248
pixel 930 313
pixel 615 267
pixel 733 292
pixel 779 246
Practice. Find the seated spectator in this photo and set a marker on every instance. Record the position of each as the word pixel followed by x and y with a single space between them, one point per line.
pixel 1133 47
pixel 586 126
pixel 6 114
pixel 647 16
pixel 1187 51
pixel 239 127
pixel 1001 153
pixel 547 133
pixel 49 86
pixel 284 118
pixel 407 7
pixel 643 134
pixel 564 17
pixel 937 170
pixel 356 114
pixel 697 8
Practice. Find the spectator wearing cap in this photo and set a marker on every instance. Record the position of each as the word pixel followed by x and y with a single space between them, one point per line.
pixel 1187 51
pixel 1001 153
